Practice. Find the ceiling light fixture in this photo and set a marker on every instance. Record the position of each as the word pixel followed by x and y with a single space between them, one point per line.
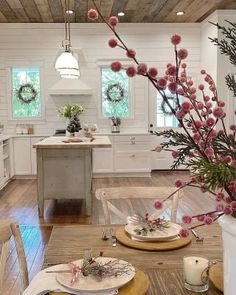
pixel 70 11
pixel 121 13
pixel 66 64
pixel 180 12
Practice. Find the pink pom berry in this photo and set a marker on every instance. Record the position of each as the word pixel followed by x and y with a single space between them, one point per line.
pixel 161 83
pixel 203 72
pixel 152 72
pixel 185 106
pixel 180 114
pixel 201 87
pixel 184 233
pixel 179 183
pixel 131 53
pixel 184 66
pixel 92 14
pixel 232 127
pixel 112 43
pixel 228 210
pixel 158 148
pixel 113 21
pixel 233 205
pixel 209 152
pixel 200 105
pixel 175 154
pixel 182 53
pixel 208 220
pixel 175 39
pixel 201 218
pixel 210 122
pixel 220 196
pixel 172 87
pixel 187 219
pixel 158 204
pixel 197 124
pixel 220 207
pixel 131 71
pixel 116 66
pixel 171 70
pixel 142 69
pixel 221 103
pixel 218 112
pixel 193 96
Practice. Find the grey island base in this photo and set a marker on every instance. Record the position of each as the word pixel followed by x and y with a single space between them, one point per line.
pixel 64 170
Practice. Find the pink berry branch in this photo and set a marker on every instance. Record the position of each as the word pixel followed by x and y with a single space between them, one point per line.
pixel 209 154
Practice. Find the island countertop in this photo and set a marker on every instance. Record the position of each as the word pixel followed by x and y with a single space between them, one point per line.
pixel 60 142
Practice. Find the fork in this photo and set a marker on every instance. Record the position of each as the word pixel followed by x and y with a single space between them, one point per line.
pixel 198 239
pixel 113 238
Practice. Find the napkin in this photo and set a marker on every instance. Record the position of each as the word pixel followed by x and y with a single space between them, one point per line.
pixel 45 282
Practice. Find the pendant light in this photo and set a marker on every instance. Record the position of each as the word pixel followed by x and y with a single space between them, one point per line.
pixel 66 64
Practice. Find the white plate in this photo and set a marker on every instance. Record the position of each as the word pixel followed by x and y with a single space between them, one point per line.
pixel 90 284
pixel 167 234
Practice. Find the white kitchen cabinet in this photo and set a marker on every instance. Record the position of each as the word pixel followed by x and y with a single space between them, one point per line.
pixel 22 156
pixel 103 160
pixel 1 164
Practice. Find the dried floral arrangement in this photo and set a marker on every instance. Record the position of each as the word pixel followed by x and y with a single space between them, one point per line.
pixel 210 155
pixel 92 267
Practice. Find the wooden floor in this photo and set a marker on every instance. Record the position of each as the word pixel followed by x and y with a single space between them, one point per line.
pixel 18 201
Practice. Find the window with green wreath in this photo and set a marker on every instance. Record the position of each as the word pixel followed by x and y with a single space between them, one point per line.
pixel 115 87
pixel 26 97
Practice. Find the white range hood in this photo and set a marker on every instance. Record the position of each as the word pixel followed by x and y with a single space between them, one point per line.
pixel 70 87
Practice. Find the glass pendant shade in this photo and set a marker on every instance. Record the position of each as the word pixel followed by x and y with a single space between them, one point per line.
pixel 66 61
pixel 70 73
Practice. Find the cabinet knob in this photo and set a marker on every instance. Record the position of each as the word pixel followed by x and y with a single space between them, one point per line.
pixel 132 138
pixel 133 156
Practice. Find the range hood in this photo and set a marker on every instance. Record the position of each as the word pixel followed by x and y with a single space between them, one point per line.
pixel 70 87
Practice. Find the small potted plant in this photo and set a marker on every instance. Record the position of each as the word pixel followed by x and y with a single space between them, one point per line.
pixel 115 126
pixel 72 112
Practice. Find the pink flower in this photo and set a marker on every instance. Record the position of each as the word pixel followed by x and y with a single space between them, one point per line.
pixel 209 152
pixel 228 210
pixel 112 43
pixel 131 71
pixel 184 232
pixel 208 220
pixel 161 83
pixel 175 154
pixel 152 72
pixel 171 70
pixel 158 204
pixel 175 39
pixel 172 87
pixel 201 87
pixel 185 106
pixel 182 53
pixel 187 219
pixel 142 69
pixel 131 53
pixel 116 66
pixel 200 218
pixel 218 112
pixel 92 14
pixel 180 114
pixel 232 127
pixel 113 21
pixel 158 148
pixel 179 183
pixel 210 122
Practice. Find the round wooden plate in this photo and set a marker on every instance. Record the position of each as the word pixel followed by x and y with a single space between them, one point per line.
pixel 139 285
pixel 124 238
pixel 216 276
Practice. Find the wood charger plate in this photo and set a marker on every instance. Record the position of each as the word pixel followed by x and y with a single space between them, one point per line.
pixel 124 238
pixel 216 276
pixel 138 285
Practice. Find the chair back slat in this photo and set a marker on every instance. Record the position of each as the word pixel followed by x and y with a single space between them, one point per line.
pixel 106 195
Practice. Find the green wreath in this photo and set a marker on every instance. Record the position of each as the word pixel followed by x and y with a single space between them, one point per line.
pixel 163 105
pixel 110 90
pixel 25 89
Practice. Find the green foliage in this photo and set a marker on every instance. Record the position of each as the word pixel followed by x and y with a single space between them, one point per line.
pixel 22 76
pixel 115 109
pixel 69 110
pixel 213 175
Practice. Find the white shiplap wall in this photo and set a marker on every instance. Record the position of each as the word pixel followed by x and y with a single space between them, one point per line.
pixel 32 44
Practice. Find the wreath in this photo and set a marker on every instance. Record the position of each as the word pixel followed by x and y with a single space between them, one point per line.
pixel 163 105
pixel 116 87
pixel 24 91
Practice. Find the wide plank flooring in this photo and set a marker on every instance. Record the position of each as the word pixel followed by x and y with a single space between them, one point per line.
pixel 18 201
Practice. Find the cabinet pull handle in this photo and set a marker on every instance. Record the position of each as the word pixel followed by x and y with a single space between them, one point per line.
pixel 132 142
pixel 132 138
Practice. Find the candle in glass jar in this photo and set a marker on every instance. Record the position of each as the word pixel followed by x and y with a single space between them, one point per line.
pixel 195 270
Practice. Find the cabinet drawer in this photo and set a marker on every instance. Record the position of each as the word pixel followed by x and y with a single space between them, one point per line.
pixel 132 138
pixel 132 162
pixel 131 146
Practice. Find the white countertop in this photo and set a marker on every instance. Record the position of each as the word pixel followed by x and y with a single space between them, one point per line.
pixel 59 142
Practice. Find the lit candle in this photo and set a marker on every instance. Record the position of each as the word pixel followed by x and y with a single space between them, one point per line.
pixel 195 270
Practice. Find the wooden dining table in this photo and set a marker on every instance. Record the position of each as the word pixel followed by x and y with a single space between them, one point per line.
pixel 164 268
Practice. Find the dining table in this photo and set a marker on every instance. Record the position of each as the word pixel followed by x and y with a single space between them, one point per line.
pixel 163 268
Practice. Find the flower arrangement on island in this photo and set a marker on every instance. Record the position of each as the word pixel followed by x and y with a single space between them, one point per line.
pixel 204 145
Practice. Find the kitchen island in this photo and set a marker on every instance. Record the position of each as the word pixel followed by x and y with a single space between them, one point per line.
pixel 64 169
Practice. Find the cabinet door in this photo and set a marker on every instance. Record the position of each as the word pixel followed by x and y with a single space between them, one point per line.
pixel 34 140
pixel 1 163
pixel 102 160
pixel 22 157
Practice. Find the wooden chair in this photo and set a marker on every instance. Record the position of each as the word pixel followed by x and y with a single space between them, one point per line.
pixel 106 195
pixel 10 229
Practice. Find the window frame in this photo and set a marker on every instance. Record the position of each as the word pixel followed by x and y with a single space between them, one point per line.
pixel 26 120
pixel 102 64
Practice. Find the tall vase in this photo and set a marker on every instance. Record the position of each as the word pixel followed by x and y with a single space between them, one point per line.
pixel 228 225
